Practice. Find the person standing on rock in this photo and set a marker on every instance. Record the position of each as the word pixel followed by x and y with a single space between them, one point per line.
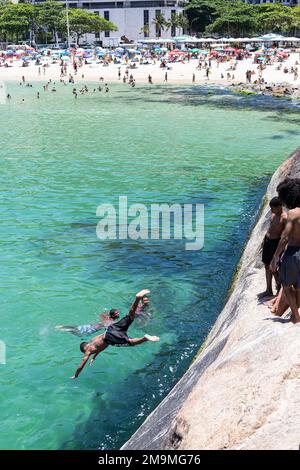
pixel 289 274
pixel 271 241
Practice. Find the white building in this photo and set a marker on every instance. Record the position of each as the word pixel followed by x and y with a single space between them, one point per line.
pixel 134 18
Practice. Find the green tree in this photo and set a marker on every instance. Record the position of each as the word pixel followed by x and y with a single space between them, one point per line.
pixel 82 22
pixel 145 30
pixel 50 16
pixel 296 19
pixel 160 23
pixel 16 20
pixel 182 21
pixel 237 19
pixel 275 18
pixel 172 22
pixel 202 13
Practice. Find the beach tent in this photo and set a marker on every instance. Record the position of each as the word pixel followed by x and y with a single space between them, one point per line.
pixel 270 38
pixel 187 39
pixel 156 41
pixel 292 39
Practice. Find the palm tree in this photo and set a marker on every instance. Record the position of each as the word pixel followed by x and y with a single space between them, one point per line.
pixel 172 23
pixel 182 21
pixel 145 30
pixel 159 23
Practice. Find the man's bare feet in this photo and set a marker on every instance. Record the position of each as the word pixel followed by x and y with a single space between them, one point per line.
pixel 151 338
pixel 271 302
pixel 142 293
pixel 295 319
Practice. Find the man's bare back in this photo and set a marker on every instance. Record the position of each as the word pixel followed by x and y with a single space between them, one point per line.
pixel 293 220
pixel 289 194
pixel 95 345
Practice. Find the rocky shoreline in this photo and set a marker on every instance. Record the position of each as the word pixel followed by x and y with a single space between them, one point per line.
pixel 278 90
pixel 243 389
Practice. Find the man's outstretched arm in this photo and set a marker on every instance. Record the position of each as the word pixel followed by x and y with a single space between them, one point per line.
pixel 93 358
pixel 83 363
pixel 135 304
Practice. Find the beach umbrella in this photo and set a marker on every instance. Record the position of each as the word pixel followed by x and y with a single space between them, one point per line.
pixel 177 52
pixel 195 50
pixel 184 38
pixel 292 39
pixel 270 38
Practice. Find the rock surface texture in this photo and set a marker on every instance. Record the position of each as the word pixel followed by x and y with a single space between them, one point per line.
pixel 243 389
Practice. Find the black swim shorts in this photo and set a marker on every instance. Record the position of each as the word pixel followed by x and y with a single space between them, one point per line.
pixel 290 267
pixel 269 247
pixel 116 334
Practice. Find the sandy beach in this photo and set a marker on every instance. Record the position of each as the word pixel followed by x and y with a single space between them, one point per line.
pixel 177 72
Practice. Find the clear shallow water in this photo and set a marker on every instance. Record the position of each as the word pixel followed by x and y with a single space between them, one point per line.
pixel 60 159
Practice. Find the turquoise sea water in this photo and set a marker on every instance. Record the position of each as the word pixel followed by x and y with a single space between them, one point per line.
pixel 60 158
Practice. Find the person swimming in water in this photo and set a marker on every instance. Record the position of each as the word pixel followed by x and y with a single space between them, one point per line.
pixel 106 320
pixel 115 335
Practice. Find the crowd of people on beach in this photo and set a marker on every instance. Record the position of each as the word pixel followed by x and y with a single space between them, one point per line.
pixel 281 251
pixel 228 65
